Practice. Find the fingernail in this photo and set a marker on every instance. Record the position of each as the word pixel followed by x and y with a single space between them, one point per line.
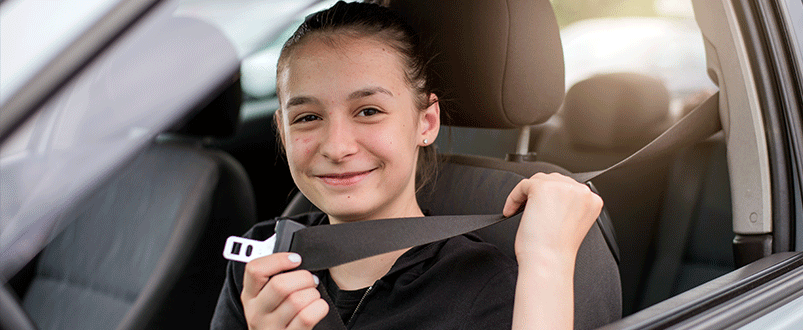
pixel 316 279
pixel 294 258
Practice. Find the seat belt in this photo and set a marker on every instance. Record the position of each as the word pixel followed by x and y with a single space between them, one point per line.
pixel 327 246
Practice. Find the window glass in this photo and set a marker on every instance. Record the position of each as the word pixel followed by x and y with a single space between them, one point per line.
pixel 247 24
pixel 33 32
pixel 655 37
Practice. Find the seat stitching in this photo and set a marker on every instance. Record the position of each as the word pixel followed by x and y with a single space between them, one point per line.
pixel 126 296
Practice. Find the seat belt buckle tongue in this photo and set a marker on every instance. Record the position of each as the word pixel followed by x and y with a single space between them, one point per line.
pixel 245 249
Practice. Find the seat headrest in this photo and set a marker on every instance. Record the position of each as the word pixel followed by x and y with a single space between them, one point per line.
pixel 500 60
pixel 219 118
pixel 616 111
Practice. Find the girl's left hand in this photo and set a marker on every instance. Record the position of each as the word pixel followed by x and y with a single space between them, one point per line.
pixel 558 213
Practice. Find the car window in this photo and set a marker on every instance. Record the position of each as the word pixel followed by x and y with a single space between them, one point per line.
pixel 247 24
pixel 33 32
pixel 667 46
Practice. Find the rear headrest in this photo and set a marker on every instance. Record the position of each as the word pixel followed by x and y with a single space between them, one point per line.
pixel 616 111
pixel 500 60
pixel 220 117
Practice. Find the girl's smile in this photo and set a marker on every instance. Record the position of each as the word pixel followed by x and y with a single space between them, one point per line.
pixel 344 179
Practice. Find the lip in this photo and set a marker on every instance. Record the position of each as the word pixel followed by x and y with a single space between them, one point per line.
pixel 344 179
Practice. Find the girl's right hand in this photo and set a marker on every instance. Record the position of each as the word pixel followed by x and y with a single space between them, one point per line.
pixel 275 300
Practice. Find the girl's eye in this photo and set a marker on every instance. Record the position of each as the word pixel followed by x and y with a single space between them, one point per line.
pixel 307 118
pixel 368 112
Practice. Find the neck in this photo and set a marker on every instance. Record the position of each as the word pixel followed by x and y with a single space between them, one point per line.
pixel 364 272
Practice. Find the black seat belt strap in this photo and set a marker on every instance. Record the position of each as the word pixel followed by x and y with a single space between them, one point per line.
pixel 369 238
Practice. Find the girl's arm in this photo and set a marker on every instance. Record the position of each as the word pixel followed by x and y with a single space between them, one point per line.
pixel 558 212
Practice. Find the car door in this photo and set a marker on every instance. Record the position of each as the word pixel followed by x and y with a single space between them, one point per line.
pixel 754 55
pixel 84 92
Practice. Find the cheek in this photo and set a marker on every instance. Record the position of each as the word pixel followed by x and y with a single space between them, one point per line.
pixel 304 145
pixel 299 149
pixel 392 142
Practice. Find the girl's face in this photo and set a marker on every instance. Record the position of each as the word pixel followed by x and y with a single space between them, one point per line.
pixel 351 129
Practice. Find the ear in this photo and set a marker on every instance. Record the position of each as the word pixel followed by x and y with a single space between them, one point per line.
pixel 430 122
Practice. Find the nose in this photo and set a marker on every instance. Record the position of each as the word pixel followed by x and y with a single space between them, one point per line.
pixel 339 141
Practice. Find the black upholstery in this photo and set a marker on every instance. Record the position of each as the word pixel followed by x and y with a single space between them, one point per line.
pixel 143 250
pixel 693 242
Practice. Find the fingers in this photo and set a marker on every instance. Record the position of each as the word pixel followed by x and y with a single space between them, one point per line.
pixel 276 300
pixel 516 198
pixel 540 182
pixel 308 317
pixel 284 288
pixel 258 271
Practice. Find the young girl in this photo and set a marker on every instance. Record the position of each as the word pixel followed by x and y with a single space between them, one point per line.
pixel 357 119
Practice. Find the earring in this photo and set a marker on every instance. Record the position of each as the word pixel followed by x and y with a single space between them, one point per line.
pixel 426 141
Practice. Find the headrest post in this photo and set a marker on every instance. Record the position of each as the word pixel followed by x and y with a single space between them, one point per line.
pixel 523 145
pixel 522 153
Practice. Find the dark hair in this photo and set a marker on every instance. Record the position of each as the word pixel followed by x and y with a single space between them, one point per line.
pixel 356 20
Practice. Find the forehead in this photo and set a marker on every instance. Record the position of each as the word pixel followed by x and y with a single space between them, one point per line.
pixel 340 60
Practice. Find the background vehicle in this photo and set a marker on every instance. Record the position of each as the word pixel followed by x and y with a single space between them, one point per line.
pixel 59 148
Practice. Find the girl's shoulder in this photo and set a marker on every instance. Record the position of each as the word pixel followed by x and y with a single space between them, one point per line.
pixel 470 249
pixel 264 229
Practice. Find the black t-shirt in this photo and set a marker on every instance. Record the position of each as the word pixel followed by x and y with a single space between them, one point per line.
pixel 346 301
pixel 457 283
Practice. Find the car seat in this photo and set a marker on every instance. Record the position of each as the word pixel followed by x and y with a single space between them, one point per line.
pixel 502 64
pixel 604 119
pixel 694 238
pixel 143 250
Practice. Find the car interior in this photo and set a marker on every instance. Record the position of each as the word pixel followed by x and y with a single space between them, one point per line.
pixel 144 249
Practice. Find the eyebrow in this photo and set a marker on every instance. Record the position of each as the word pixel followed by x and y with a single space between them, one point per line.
pixel 366 92
pixel 299 100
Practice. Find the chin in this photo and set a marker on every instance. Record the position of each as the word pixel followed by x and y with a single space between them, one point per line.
pixel 346 209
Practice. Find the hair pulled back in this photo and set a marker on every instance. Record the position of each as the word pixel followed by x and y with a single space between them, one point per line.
pixel 360 20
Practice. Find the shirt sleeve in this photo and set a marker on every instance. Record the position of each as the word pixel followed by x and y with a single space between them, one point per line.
pixel 493 306
pixel 229 312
